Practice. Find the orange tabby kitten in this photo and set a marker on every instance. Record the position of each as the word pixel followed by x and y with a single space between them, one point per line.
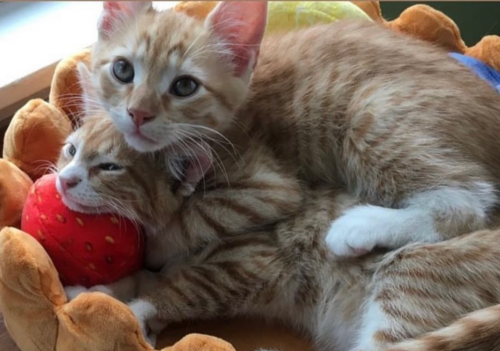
pixel 391 119
pixel 98 173
pixel 283 273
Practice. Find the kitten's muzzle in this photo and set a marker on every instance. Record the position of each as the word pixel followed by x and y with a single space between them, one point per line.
pixel 140 117
pixel 69 182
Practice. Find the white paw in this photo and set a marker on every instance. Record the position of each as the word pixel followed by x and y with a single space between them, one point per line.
pixel 103 289
pixel 359 230
pixel 73 291
pixel 144 311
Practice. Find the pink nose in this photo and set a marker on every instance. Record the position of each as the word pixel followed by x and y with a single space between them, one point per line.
pixel 140 116
pixel 69 182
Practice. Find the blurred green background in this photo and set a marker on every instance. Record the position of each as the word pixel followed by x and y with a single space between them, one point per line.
pixel 475 19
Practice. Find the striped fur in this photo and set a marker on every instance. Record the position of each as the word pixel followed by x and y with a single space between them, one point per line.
pixel 285 272
pixel 234 197
pixel 478 331
pixel 287 275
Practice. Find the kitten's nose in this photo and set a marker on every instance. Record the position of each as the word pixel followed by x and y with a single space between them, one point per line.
pixel 69 182
pixel 140 116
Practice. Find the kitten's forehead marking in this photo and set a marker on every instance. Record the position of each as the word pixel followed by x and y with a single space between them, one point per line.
pixel 166 81
pixel 140 74
pixel 92 145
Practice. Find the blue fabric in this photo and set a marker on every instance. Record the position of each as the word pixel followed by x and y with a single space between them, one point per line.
pixel 484 71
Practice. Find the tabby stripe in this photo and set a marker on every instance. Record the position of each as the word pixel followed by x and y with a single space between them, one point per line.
pixel 428 275
pixel 135 174
pixel 235 244
pixel 265 254
pixel 176 292
pixel 406 316
pixel 248 275
pixel 202 283
pixel 255 185
pixel 220 97
pixel 308 289
pixel 178 47
pixel 477 331
pixel 234 206
pixel 233 271
pixel 148 42
pixel 385 336
pixel 270 294
pixel 403 290
pixel 217 227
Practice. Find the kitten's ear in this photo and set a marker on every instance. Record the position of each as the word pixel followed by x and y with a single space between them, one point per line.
pixel 189 165
pixel 240 25
pixel 88 90
pixel 114 13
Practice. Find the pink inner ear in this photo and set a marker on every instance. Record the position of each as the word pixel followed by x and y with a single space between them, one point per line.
pixel 200 161
pixel 240 24
pixel 115 12
pixel 197 168
pixel 111 14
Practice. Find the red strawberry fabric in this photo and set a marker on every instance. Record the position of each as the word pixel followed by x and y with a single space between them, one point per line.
pixel 86 249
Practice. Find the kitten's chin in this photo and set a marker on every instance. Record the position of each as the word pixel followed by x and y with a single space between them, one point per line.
pixel 74 206
pixel 142 143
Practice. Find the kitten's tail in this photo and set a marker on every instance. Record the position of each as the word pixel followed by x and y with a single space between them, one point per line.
pixel 477 331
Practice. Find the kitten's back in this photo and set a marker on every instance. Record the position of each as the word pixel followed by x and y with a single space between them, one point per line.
pixel 315 88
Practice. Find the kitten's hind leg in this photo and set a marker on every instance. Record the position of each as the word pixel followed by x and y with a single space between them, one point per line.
pixel 423 288
pixel 428 216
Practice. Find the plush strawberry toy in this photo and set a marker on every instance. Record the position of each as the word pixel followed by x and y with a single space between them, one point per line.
pixel 86 249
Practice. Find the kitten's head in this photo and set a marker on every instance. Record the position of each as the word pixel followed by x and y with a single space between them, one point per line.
pixel 165 76
pixel 99 173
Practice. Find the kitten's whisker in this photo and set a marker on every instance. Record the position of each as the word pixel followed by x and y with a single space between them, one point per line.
pixel 224 138
pixel 198 144
pixel 188 150
pixel 45 166
pixel 122 211
pixel 235 155
pixel 218 160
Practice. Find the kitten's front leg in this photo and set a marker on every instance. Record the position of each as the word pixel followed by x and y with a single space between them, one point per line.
pixel 223 281
pixel 125 289
pixel 144 312
pixel 429 216
pixel 422 288
pixel 362 228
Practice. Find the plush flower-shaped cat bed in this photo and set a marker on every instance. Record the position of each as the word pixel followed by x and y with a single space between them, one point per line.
pixel 36 312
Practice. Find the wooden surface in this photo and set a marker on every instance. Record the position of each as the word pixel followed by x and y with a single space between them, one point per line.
pixel 6 343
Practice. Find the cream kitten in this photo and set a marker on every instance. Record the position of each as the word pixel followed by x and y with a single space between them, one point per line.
pixel 391 119
pixel 284 273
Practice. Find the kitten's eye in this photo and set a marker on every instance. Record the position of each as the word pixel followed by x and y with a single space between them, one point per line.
pixel 70 149
pixel 123 71
pixel 109 167
pixel 184 86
